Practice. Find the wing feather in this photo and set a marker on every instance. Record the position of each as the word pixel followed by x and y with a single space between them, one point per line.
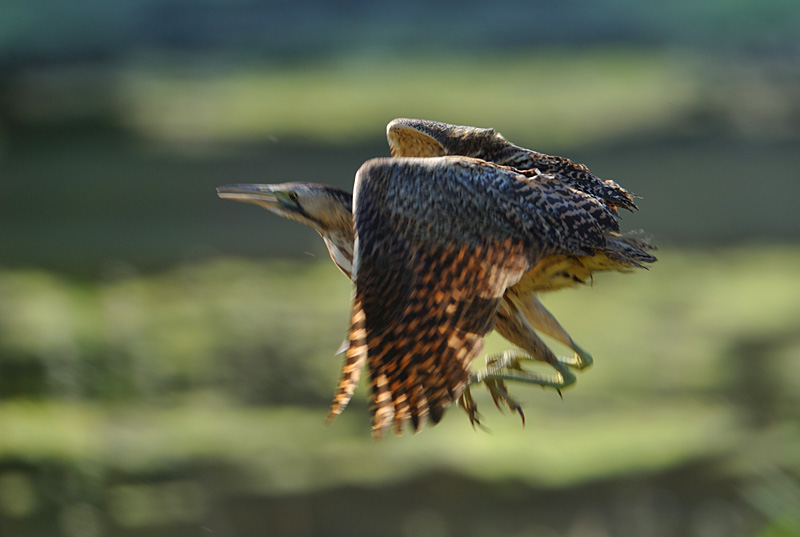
pixel 423 138
pixel 439 242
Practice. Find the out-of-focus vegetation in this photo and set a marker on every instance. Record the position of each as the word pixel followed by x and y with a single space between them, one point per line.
pixel 166 358
pixel 343 101
pixel 231 361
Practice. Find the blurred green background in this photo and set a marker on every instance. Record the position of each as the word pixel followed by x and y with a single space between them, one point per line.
pixel 166 358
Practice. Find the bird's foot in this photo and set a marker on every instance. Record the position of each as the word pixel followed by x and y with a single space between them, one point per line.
pixel 501 397
pixel 508 366
pixel 580 360
pixel 469 405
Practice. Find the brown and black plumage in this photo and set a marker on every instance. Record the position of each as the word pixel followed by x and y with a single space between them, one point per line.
pixel 438 243
pixel 424 138
pixel 591 244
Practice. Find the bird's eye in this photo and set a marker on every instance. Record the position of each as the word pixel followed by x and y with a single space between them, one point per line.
pixel 293 197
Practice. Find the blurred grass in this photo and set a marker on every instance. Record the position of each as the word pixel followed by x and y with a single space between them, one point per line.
pixel 288 449
pixel 565 97
pixel 232 360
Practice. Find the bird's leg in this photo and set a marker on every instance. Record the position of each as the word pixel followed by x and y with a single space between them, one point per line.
pixel 513 323
pixel 541 319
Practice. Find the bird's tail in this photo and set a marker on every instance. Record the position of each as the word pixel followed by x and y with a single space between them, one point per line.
pixel 621 253
pixel 628 251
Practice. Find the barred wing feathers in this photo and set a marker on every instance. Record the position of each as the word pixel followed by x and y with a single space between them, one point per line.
pixel 438 241
pixel 424 138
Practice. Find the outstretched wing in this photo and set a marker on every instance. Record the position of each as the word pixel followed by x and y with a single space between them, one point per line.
pixel 438 241
pixel 423 138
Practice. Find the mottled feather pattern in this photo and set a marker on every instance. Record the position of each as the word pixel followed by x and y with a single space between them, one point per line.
pixel 576 175
pixel 420 363
pixel 545 214
pixel 429 289
pixel 629 250
pixel 355 356
pixel 429 280
pixel 489 145
pixel 575 222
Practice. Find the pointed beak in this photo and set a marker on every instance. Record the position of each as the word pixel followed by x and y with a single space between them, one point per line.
pixel 258 194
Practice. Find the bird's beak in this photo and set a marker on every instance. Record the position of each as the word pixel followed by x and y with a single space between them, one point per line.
pixel 262 195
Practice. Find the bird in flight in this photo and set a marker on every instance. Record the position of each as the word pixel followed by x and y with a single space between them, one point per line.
pixel 446 248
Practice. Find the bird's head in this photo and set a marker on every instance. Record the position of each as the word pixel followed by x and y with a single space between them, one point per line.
pixel 424 138
pixel 321 207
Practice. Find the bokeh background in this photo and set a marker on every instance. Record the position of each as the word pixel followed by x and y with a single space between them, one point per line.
pixel 166 358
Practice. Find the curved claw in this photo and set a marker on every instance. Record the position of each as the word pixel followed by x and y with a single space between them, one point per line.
pixel 497 389
pixel 468 404
pixel 508 366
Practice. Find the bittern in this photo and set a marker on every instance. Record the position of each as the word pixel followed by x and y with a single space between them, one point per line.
pixel 328 211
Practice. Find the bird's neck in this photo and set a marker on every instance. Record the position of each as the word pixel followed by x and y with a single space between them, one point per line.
pixel 340 246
